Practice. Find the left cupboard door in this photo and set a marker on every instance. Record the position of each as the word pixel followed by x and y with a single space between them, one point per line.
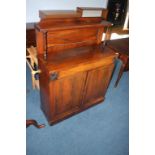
pixel 66 95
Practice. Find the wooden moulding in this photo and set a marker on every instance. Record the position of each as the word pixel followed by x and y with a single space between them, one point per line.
pixel 65 116
pixel 71 23
pixel 46 14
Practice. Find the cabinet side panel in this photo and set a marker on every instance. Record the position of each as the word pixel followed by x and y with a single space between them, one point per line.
pixel 44 92
pixel 39 42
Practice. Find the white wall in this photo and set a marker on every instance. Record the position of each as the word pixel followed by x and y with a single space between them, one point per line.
pixel 33 6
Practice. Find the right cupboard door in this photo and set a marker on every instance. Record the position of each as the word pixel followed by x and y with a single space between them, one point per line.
pixel 96 85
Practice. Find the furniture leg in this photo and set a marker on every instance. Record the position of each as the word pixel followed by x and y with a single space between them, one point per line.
pixel 34 122
pixel 121 46
pixel 120 74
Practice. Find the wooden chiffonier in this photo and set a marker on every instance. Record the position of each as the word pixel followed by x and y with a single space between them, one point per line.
pixel 75 66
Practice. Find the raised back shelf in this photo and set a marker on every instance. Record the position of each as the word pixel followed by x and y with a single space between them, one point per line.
pixel 57 34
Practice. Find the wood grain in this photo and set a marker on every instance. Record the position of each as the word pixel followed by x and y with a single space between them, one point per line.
pixel 77 68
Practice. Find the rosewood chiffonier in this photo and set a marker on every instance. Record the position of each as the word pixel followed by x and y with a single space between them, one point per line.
pixel 75 66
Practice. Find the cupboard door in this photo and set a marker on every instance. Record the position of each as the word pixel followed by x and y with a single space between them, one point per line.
pixel 66 95
pixel 96 85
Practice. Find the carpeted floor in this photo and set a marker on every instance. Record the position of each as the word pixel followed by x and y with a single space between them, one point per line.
pixel 100 130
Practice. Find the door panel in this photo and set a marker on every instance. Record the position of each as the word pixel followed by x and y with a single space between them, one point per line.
pixel 96 85
pixel 67 94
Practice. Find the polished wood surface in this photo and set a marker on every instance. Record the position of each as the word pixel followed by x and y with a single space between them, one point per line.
pixel 73 23
pixel 69 61
pixel 96 85
pixel 121 46
pixel 45 14
pixel 59 34
pixel 75 66
pixel 82 77
pixel 58 15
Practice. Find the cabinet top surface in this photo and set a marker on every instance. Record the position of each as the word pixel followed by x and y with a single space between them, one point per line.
pixel 71 23
pixel 76 57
